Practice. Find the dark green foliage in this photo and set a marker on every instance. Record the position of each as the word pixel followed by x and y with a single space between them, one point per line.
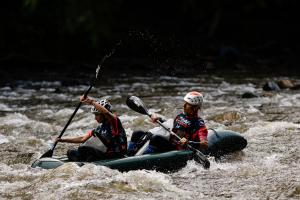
pixel 73 30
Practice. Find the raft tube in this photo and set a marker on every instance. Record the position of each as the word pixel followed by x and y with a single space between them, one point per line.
pixel 219 143
pixel 224 142
pixel 168 161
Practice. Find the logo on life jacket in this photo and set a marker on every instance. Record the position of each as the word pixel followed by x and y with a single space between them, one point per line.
pixel 183 122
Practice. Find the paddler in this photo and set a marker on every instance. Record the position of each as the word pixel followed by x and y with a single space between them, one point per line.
pixel 106 141
pixel 188 125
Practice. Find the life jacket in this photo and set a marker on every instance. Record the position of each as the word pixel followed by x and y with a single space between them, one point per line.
pixel 114 140
pixel 95 142
pixel 193 127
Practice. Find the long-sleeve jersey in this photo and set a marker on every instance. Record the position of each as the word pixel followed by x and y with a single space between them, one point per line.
pixel 194 128
pixel 112 135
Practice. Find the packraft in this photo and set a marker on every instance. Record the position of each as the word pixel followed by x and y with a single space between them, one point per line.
pixel 220 142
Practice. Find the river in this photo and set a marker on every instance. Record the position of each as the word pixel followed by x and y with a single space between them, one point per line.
pixel 32 113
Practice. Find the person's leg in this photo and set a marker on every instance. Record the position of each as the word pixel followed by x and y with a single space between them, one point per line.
pixel 137 135
pixel 90 154
pixel 73 155
pixel 158 144
pixel 138 139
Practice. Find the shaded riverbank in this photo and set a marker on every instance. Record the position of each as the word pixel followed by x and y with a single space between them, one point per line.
pixel 64 41
pixel 16 68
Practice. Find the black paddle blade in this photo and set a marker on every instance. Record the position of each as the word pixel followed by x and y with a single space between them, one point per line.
pixel 48 154
pixel 200 158
pixel 137 105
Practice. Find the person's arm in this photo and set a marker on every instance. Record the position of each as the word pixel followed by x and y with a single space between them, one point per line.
pixel 108 115
pixel 202 134
pixel 79 139
pixel 100 108
pixel 104 111
pixel 155 118
pixel 183 141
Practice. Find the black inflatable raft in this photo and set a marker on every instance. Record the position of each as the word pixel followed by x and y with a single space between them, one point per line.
pixel 219 143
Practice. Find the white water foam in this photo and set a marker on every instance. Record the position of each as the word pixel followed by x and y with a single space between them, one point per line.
pixel 3 139
pixel 237 89
pixel 21 123
pixel 66 113
pixel 4 107
pixel 263 128
pixel 99 180
pixel 125 119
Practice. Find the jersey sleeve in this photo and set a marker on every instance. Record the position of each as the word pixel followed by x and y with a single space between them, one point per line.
pixel 115 125
pixel 90 133
pixel 202 130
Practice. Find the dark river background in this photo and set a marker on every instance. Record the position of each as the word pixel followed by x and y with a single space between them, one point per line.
pixel 32 113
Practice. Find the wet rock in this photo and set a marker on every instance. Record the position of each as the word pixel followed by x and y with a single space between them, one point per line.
pixel 294 192
pixel 227 117
pixel 296 87
pixel 57 90
pixel 285 84
pixel 249 95
pixel 24 158
pixel 268 94
pixel 271 86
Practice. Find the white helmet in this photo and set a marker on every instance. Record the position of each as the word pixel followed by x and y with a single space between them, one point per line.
pixel 194 98
pixel 103 103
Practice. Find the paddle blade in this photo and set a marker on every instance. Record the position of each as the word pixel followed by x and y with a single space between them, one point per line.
pixel 201 159
pixel 48 154
pixel 137 105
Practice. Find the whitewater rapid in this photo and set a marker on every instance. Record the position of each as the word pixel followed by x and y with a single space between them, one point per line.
pixel 33 113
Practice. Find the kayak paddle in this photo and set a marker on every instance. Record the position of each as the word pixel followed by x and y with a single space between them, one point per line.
pixel 138 105
pixel 49 153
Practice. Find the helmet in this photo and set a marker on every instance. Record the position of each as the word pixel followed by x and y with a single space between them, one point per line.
pixel 194 98
pixel 103 103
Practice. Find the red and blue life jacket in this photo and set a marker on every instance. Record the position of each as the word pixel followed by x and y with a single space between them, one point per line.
pixel 193 127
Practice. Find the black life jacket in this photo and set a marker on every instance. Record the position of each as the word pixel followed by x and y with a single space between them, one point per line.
pixel 114 140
